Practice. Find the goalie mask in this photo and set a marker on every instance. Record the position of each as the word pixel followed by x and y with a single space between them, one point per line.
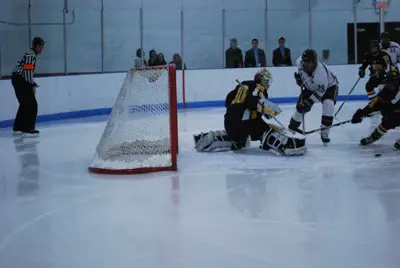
pixel 264 77
pixel 374 47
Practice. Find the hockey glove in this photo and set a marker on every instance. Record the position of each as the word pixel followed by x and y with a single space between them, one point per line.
pixel 361 73
pixel 298 79
pixel 268 108
pixel 304 103
pixel 358 116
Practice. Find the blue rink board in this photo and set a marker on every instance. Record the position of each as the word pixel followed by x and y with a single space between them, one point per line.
pixel 189 105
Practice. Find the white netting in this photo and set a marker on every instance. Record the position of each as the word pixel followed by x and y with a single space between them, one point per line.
pixel 137 134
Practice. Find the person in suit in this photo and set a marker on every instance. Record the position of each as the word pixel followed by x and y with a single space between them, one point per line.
pixel 234 56
pixel 255 57
pixel 281 56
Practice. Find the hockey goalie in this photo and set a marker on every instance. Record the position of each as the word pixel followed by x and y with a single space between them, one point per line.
pixel 247 109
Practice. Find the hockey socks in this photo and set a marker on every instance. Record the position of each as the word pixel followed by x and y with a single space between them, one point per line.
pixel 326 121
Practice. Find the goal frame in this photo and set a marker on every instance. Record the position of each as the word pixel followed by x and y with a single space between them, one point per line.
pixel 173 128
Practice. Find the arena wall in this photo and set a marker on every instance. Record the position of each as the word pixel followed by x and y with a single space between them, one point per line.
pixel 75 96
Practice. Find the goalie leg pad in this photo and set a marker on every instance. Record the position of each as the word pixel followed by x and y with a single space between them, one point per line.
pixel 216 141
pixel 282 144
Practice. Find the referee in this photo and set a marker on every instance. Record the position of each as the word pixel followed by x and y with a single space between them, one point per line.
pixel 25 90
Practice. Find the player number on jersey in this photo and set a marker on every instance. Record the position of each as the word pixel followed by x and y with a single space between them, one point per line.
pixel 321 88
pixel 241 95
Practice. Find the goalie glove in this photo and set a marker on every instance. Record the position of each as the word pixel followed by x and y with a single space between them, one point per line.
pixel 268 108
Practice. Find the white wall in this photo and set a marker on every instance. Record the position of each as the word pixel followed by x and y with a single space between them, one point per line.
pixel 87 92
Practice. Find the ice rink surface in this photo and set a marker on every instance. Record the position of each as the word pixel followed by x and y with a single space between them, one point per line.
pixel 336 207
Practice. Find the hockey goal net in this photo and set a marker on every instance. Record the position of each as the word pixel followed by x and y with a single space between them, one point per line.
pixel 141 134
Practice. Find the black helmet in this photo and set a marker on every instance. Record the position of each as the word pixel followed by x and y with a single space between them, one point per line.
pixel 385 35
pixel 309 55
pixel 309 60
pixel 374 43
pixel 37 41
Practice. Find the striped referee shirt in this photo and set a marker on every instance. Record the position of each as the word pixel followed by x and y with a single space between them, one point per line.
pixel 26 66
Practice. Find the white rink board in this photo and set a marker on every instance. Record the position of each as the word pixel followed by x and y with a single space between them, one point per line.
pixel 68 94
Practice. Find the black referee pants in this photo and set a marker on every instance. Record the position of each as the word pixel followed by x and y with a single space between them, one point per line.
pixel 25 119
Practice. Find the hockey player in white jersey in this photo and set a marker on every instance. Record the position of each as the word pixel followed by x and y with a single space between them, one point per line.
pixel 391 48
pixel 318 84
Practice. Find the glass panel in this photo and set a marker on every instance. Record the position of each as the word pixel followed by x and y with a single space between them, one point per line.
pixel 52 58
pixel 121 38
pixel 203 39
pixel 83 42
pixel 245 30
pixel 13 43
pixel 294 30
pixel 329 33
pixel 162 33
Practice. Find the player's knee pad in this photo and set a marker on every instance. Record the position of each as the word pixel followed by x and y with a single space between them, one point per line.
pixel 216 141
pixel 282 144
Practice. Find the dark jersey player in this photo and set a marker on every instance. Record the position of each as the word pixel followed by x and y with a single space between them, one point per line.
pixel 388 103
pixel 379 64
pixel 247 108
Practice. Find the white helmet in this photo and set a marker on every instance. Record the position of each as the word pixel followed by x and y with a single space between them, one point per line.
pixel 264 77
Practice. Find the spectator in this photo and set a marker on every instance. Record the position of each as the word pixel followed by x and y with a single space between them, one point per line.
pixel 177 60
pixel 140 58
pixel 161 59
pixel 233 56
pixel 281 56
pixel 325 56
pixel 153 58
pixel 255 57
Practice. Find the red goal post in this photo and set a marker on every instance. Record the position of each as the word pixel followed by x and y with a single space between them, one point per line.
pixel 141 134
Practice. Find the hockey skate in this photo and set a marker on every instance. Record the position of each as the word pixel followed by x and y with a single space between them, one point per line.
pixel 397 144
pixel 17 133
pixel 325 135
pixel 31 134
pixel 217 141
pixel 372 138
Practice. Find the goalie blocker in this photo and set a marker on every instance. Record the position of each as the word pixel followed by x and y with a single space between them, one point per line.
pixel 246 108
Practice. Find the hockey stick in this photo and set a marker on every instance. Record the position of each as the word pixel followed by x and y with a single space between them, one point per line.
pixel 302 108
pixel 334 125
pixel 348 97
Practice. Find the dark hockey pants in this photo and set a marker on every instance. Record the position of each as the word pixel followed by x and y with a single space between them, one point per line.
pixel 239 131
pixel 25 119
pixel 390 121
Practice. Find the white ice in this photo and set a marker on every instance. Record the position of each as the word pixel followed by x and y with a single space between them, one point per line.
pixel 336 207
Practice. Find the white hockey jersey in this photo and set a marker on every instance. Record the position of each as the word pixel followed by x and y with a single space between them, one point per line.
pixel 320 80
pixel 394 52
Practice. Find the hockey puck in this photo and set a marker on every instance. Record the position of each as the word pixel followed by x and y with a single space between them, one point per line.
pixel 377 155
